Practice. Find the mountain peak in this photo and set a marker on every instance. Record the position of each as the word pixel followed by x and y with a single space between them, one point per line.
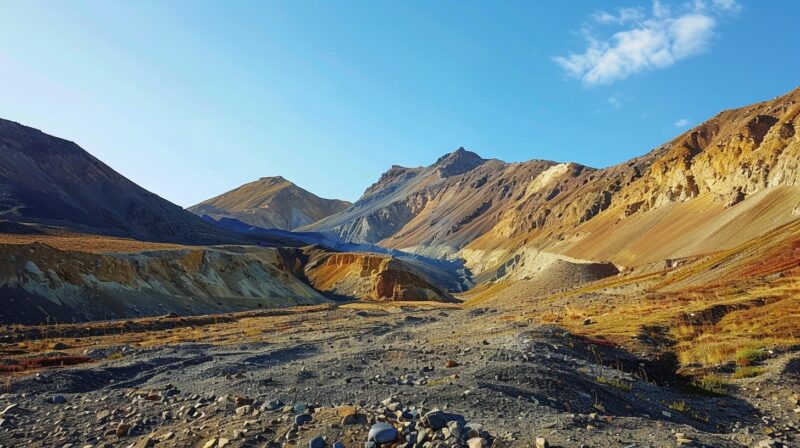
pixel 458 162
pixel 273 179
pixel 269 202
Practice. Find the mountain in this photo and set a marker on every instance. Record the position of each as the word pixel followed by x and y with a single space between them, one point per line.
pixel 270 202
pixel 434 210
pixel 719 184
pixel 48 180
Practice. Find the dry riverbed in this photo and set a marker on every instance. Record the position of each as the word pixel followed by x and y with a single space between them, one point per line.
pixel 368 375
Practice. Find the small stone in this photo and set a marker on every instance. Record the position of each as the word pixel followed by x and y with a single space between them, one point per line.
pixel 338 444
pixel 301 419
pixel 102 415
pixel 272 405
pixel 541 442
pixel 58 399
pixel 382 433
pixel 8 409
pixel 477 442
pixel 122 429
pixel 451 363
pixel 211 443
pixel 242 410
pixel 222 442
pixel 243 401
pixel 349 420
pixel 316 442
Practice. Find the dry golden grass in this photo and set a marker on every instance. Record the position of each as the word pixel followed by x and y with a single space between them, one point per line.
pixel 88 243
pixel 252 326
pixel 367 305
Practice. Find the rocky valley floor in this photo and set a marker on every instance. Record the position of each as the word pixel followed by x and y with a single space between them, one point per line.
pixel 320 375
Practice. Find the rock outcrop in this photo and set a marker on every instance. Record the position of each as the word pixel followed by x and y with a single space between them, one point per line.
pixel 371 277
pixel 39 282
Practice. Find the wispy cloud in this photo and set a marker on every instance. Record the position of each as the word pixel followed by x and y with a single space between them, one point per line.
pixel 681 123
pixel 615 102
pixel 647 41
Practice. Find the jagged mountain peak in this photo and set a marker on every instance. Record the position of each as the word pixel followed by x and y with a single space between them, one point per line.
pixel 458 162
pixel 274 179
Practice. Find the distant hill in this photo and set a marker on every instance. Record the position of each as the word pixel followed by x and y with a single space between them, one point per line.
pixel 270 202
pixel 48 180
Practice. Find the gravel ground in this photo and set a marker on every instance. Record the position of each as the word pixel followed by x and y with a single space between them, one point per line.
pixel 496 383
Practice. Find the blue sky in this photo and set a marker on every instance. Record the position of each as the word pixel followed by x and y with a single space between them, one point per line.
pixel 192 98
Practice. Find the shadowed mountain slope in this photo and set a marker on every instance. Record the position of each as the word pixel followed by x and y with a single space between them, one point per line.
pixel 48 180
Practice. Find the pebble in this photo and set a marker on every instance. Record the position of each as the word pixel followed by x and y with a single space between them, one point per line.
pixel 316 442
pixel 349 420
pixel 477 442
pixel 122 429
pixel 8 409
pixel 382 433
pixel 301 419
pixel 541 442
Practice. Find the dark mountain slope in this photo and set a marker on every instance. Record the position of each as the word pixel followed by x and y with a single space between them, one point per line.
pixel 45 179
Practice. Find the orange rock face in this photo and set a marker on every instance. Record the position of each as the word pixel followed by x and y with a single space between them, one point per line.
pixel 370 277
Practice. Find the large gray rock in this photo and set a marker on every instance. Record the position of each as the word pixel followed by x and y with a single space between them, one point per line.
pixel 435 419
pixel 382 433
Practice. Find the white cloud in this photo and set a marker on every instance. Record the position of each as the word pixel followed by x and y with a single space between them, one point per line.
pixel 681 123
pixel 729 6
pixel 646 43
pixel 615 102
pixel 624 15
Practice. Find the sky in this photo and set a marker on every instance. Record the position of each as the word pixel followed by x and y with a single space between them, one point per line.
pixel 190 99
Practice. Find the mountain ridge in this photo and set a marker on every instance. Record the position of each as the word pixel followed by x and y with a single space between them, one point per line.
pixel 269 202
pixel 85 194
pixel 487 210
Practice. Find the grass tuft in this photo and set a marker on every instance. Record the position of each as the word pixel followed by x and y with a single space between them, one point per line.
pixel 748 372
pixel 748 356
pixel 712 384
pixel 614 382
